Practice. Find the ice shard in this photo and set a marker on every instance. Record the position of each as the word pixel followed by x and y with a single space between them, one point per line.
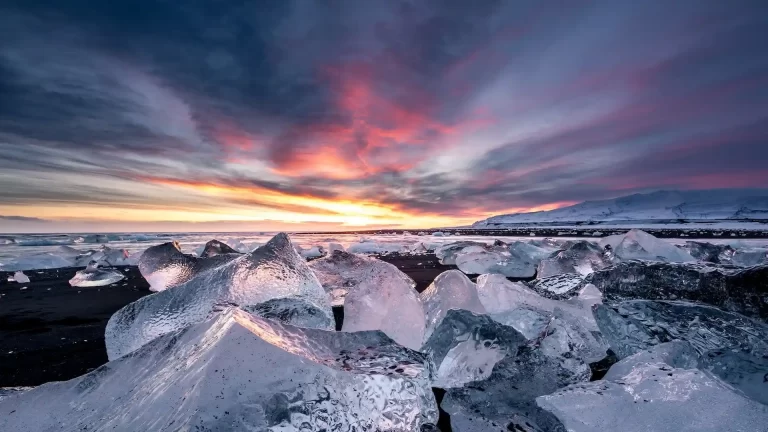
pixel 20 277
pixel 94 276
pixel 654 396
pixel 215 247
pixel 383 299
pixel 637 244
pixel 515 260
pixel 635 325
pixel 273 271
pixel 447 253
pixel 738 290
pixel 340 272
pixel 581 257
pixel 236 371
pixel 450 290
pixel 708 252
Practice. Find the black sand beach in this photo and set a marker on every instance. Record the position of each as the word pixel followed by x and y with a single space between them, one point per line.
pixel 50 331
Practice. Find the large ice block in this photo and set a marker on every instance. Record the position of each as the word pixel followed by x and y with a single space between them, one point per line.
pixel 273 271
pixel 450 290
pixel 236 371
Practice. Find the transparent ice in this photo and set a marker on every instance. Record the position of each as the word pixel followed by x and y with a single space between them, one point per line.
pixel 637 244
pixel 450 290
pixel 93 276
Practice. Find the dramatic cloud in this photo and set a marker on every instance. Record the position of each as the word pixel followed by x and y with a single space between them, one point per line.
pixel 381 113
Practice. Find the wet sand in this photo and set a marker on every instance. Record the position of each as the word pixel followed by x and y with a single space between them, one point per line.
pixel 51 331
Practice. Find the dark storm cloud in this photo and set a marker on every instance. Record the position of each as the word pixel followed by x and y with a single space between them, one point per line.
pixel 445 107
pixel 21 219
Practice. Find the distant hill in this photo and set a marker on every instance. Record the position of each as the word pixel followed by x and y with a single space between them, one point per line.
pixel 699 205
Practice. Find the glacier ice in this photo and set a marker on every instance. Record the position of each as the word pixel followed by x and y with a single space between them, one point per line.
pixel 497 294
pixel 746 373
pixel 339 272
pixel 36 262
pixel 749 257
pixel 581 257
pixel 654 396
pixel 334 247
pixel 215 247
pixel 105 256
pixel 634 325
pixel 559 287
pixel 493 373
pixel 708 252
pixel 273 271
pixel 313 252
pixel 447 253
pixel 450 290
pixel 166 266
pixel 20 277
pixel 236 371
pixel 383 299
pixel 94 276
pixel 517 260
pixel 637 244
pixel 738 290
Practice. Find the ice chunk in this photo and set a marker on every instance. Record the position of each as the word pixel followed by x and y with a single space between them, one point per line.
pixel 372 247
pixel 748 257
pixel 447 253
pixel 637 244
pixel 581 257
pixel 517 260
pixel 240 372
pixel 501 372
pixel 66 252
pixel 334 247
pixel 438 234
pixel 93 238
pixel 709 252
pixel 94 276
pixel 501 295
pixel 676 354
pixel 654 397
pixel 273 271
pixel 313 252
pixel 497 294
pixel 383 299
pixel 450 290
pixel 20 277
pixel 558 287
pixel 165 266
pixel 215 247
pixel 738 290
pixel 340 272
pixel 6 392
pixel 635 325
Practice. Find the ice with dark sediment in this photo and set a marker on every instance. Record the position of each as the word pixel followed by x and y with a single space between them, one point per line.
pixel 165 266
pixel 93 276
pixel 493 373
pixel 637 244
pixel 558 287
pixel 708 252
pixel 339 272
pixel 734 289
pixel 215 247
pixel 383 298
pixel 271 272
pixel 450 290
pixel 644 392
pixel 235 371
pixel 580 257
pixel 447 253
pixel 518 260
pixel 635 325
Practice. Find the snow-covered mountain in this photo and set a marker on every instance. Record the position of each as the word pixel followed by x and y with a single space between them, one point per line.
pixel 699 205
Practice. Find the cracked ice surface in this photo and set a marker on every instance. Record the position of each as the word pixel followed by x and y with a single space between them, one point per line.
pixel 236 371
pixel 648 394
pixel 581 257
pixel 450 290
pixel 273 271
pixel 636 325
pixel 166 266
pixel 383 299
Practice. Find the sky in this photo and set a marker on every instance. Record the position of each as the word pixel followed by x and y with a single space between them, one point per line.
pixel 308 115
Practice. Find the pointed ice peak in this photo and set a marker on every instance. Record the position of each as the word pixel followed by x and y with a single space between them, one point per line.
pixel 216 247
pixel 451 289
